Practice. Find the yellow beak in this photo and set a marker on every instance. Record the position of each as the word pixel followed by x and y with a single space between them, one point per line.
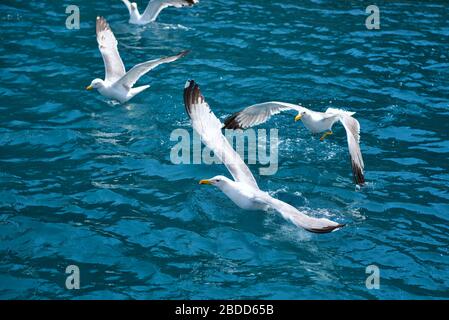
pixel 205 182
pixel 298 117
pixel 89 88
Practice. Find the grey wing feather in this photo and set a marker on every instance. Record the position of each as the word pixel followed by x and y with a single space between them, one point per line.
pixel 208 126
pixel 107 43
pixel 300 219
pixel 257 114
pixel 154 7
pixel 352 128
pixel 133 75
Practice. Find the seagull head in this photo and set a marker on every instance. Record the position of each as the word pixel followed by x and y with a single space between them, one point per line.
pixel 300 115
pixel 95 84
pixel 133 6
pixel 218 181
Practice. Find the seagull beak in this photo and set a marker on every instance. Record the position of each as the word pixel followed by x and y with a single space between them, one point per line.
pixel 298 117
pixel 205 182
pixel 89 88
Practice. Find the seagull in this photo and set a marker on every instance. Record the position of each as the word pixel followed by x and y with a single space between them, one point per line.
pixel 243 190
pixel 314 121
pixel 153 9
pixel 118 84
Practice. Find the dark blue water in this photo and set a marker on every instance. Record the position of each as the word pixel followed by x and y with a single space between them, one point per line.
pixel 90 183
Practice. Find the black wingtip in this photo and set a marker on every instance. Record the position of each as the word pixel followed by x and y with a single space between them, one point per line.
pixel 191 2
pixel 101 24
pixel 183 53
pixel 357 174
pixel 192 95
pixel 326 229
pixel 188 94
pixel 232 123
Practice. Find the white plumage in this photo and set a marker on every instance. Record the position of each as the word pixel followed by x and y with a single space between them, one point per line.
pixel 153 9
pixel 118 84
pixel 314 121
pixel 243 190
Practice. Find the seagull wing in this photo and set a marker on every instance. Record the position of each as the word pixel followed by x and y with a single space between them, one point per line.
pixel 207 125
pixel 290 213
pixel 352 128
pixel 156 6
pixel 257 114
pixel 127 4
pixel 133 75
pixel 107 43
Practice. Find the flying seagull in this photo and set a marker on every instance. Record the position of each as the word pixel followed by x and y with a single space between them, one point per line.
pixel 243 190
pixel 315 121
pixel 118 84
pixel 153 9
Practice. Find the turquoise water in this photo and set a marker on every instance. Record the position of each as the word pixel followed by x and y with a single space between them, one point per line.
pixel 88 182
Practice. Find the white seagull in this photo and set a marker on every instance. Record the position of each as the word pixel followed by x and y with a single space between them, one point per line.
pixel 243 190
pixel 314 121
pixel 153 9
pixel 118 84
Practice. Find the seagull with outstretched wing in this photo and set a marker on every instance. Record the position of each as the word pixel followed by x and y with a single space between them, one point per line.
pixel 243 190
pixel 153 9
pixel 119 84
pixel 314 121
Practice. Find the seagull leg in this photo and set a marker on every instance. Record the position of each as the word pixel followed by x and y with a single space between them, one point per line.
pixel 327 133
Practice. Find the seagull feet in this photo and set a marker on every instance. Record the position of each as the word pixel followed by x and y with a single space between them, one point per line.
pixel 328 133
